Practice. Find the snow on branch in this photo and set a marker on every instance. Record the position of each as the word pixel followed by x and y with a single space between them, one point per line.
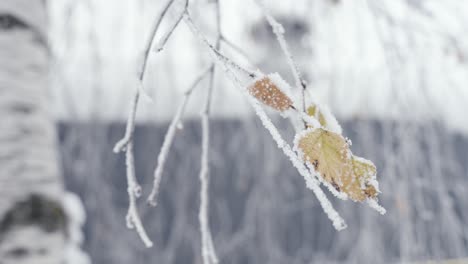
pixel 311 181
pixel 220 56
pixel 169 138
pixel 321 154
pixel 130 127
pixel 208 250
pixel 160 46
pixel 278 30
pixel 133 188
pixel 134 191
pixel 236 48
pixel 126 143
pixel 150 41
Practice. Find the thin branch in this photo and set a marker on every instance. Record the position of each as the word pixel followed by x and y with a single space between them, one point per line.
pixel 160 46
pixel 236 48
pixel 278 30
pixel 149 43
pixel 126 143
pixel 188 20
pixel 311 182
pixel 169 138
pixel 133 188
pixel 121 144
pixel 134 191
pixel 208 250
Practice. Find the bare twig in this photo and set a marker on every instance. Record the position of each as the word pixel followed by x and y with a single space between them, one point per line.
pixel 278 30
pixel 149 43
pixel 220 57
pixel 166 37
pixel 310 179
pixel 134 191
pixel 121 144
pixel 126 143
pixel 236 48
pixel 169 138
pixel 208 250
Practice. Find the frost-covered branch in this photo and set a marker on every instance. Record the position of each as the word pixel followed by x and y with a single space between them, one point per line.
pixel 220 56
pixel 169 138
pixel 160 46
pixel 208 250
pixel 120 146
pixel 133 188
pixel 149 43
pixel 278 30
pixel 130 127
pixel 236 48
pixel 134 191
pixel 311 181
pixel 126 143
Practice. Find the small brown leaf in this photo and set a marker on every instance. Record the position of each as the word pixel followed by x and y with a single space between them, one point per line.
pixel 268 93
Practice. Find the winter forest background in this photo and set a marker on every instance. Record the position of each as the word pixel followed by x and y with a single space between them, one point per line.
pixel 393 72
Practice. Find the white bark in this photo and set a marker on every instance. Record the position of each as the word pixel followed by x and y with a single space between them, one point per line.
pixel 28 158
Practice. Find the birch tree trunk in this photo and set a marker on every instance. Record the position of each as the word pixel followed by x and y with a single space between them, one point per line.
pixel 33 224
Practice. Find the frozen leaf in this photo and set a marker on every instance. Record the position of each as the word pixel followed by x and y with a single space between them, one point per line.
pixel 365 171
pixel 269 93
pixel 329 154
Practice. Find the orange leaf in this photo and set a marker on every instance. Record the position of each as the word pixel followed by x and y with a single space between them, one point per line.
pixel 267 92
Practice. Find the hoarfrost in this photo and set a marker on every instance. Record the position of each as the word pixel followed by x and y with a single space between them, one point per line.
pixel 166 146
pixel 311 182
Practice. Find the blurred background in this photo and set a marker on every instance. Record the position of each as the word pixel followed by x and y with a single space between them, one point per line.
pixel 393 72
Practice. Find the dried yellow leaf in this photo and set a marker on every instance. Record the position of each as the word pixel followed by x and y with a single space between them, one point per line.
pixel 268 93
pixel 330 156
pixel 327 152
